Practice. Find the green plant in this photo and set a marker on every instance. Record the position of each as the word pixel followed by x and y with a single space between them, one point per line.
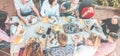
pixel 110 2
pixel 105 3
pixel 115 3
pixel 99 2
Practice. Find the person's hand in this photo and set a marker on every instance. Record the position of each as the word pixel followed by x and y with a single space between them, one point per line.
pixel 76 13
pixel 101 22
pixel 76 40
pixel 28 24
pixel 23 20
pixel 39 18
pixel 107 30
pixel 75 43
pixel 18 29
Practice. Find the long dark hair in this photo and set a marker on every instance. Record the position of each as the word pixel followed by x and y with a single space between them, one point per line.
pixel 3 17
pixel 51 1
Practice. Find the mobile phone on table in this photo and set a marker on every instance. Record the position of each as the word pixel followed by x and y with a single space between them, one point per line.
pixel 48 31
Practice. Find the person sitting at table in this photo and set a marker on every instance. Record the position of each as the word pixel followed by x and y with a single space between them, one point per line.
pixel 85 3
pixel 23 50
pixel 25 8
pixel 63 49
pixel 87 12
pixel 50 8
pixel 107 48
pixel 69 8
pixel 110 25
pixel 90 46
pixel 33 48
pixel 3 35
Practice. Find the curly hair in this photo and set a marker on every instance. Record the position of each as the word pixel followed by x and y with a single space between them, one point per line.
pixel 33 49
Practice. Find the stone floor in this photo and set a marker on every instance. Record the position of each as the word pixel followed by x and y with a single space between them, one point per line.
pixel 7 5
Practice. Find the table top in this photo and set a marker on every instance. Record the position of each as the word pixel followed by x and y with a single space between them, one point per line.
pixel 30 31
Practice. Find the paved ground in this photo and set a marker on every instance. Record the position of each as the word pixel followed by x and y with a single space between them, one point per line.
pixel 7 5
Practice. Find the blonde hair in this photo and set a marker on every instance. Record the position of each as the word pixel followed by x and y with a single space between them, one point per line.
pixel 92 37
pixel 62 39
pixel 96 40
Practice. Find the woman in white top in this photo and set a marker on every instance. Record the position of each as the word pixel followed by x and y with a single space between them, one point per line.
pixel 50 8
pixel 89 48
pixel 25 8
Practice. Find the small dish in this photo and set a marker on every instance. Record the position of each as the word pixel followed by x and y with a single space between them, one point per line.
pixel 32 19
pixel 40 30
pixel 86 28
pixel 56 27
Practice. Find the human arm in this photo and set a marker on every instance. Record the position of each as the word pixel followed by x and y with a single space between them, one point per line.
pixel 78 40
pixel 35 10
pixel 105 24
pixel 43 8
pixel 57 11
pixel 5 37
pixel 85 14
pixel 85 11
pixel 97 42
pixel 21 18
pixel 17 7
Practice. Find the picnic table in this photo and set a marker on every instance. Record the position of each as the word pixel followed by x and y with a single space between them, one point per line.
pixel 30 31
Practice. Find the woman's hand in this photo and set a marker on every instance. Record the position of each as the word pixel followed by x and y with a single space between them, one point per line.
pixel 28 24
pixel 18 29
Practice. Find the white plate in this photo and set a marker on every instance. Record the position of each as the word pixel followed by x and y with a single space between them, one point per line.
pixel 34 19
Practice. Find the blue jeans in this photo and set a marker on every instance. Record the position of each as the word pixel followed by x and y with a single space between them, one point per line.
pixel 4 44
pixel 26 14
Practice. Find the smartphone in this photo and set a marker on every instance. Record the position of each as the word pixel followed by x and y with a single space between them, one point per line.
pixel 48 31
pixel 92 27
